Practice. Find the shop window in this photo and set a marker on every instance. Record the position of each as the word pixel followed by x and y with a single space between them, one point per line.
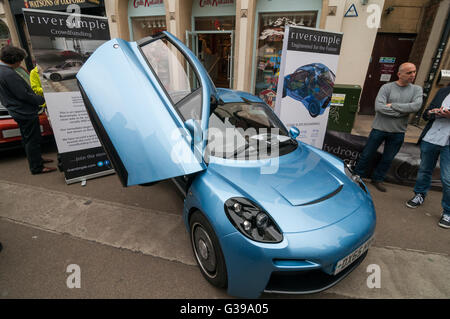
pixel 147 26
pixel 270 44
pixel 214 23
pixel 214 48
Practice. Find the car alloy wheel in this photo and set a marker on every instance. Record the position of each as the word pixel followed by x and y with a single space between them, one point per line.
pixel 55 77
pixel 207 250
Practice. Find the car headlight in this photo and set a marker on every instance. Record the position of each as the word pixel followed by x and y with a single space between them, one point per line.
pixel 354 177
pixel 252 221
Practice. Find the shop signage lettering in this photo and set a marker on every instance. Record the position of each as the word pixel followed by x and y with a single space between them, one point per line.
pixel 35 4
pixel 146 3
pixel 314 41
pixel 215 3
pixel 86 27
pixel 91 25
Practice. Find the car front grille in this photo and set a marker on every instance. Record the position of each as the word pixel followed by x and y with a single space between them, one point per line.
pixel 307 282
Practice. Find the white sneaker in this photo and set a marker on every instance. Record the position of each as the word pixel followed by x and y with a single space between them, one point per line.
pixel 416 201
pixel 444 221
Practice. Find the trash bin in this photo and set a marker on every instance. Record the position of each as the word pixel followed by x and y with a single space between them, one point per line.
pixel 344 105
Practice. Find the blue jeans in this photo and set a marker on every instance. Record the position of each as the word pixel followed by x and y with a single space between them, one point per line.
pixel 429 154
pixel 392 144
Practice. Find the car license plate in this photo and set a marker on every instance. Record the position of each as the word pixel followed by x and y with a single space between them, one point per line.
pixel 11 133
pixel 16 132
pixel 346 261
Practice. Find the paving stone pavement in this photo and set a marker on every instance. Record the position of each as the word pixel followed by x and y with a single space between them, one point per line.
pixel 404 273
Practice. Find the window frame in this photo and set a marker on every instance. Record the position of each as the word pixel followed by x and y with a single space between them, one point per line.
pixel 148 40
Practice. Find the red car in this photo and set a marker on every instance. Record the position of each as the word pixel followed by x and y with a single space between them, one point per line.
pixel 10 133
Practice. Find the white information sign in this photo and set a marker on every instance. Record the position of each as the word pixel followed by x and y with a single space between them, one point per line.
pixel 70 122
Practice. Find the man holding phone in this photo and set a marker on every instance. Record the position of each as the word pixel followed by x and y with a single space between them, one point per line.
pixel 434 143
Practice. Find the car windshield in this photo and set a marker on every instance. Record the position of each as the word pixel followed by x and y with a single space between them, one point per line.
pixel 247 131
pixel 324 86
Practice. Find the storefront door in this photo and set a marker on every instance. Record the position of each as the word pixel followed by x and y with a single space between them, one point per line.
pixel 389 51
pixel 215 51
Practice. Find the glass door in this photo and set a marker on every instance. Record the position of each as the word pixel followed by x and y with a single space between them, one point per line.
pixel 215 50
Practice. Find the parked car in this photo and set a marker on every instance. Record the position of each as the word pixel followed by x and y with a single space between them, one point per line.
pixel 294 219
pixel 66 70
pixel 10 136
pixel 68 54
pixel 311 84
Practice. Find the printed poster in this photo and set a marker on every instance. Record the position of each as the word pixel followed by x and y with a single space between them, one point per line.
pixel 61 43
pixel 308 68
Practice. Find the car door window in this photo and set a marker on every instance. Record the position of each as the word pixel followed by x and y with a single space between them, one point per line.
pixel 177 76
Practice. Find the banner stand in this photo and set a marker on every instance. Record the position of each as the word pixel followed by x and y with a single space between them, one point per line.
pixel 62 42
pixel 309 62
pixel 83 179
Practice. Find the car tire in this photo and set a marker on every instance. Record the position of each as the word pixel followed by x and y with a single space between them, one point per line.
pixel 314 108
pixel 55 77
pixel 325 104
pixel 207 250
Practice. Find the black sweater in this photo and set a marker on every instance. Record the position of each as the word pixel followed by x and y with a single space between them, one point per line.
pixel 17 96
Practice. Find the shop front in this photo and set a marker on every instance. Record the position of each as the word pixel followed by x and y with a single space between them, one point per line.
pixel 89 7
pixel 146 18
pixel 271 19
pixel 212 38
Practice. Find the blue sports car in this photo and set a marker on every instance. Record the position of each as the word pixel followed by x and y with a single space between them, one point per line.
pixel 265 212
pixel 311 84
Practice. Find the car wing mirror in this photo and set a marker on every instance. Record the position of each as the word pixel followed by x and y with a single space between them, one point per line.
pixel 214 102
pixel 195 129
pixel 294 132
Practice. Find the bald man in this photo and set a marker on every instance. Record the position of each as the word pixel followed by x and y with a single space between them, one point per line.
pixel 394 102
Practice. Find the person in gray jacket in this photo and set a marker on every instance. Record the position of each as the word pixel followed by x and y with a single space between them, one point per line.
pixel 394 102
pixel 23 105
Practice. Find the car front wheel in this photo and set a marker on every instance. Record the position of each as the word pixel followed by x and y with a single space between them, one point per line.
pixel 55 77
pixel 314 108
pixel 207 250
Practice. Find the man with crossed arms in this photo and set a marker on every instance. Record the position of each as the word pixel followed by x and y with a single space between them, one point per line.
pixel 394 102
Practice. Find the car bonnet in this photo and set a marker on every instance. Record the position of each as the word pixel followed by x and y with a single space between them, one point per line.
pixel 305 193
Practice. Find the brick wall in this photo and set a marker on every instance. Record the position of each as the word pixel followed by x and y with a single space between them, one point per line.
pixel 403 17
pixel 426 24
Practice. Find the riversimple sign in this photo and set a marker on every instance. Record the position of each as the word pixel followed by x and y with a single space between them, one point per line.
pixel 87 27
pixel 309 40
